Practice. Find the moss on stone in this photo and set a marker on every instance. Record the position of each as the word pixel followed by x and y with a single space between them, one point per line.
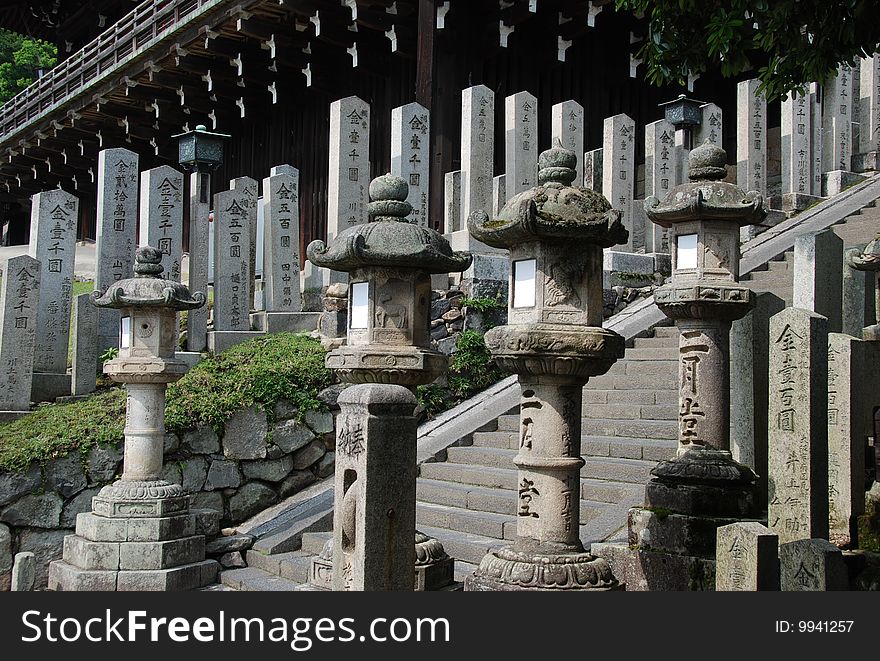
pixel 260 371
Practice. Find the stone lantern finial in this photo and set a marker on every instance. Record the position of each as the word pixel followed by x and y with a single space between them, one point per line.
pixel 557 165
pixel 708 162
pixel 388 194
pixel 148 262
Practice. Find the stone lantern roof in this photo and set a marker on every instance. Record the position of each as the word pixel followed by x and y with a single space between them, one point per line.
pixel 147 288
pixel 868 259
pixel 706 196
pixel 388 240
pixel 552 211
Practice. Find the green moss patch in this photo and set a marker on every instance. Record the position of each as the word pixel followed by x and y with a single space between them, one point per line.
pixel 260 371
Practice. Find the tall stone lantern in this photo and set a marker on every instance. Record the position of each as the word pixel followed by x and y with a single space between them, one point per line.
pixel 554 342
pixel 704 297
pixel 390 262
pixel 140 535
pixel 869 260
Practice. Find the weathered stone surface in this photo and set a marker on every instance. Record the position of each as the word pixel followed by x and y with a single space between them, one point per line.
pixel 24 572
pixel 203 440
pixel 711 126
pixel 281 281
pixel 811 565
pixel 245 434
pixel 208 500
pixel 81 502
pixel 618 169
pixel 349 164
pixel 35 511
pixel 250 499
pixel 193 473
pixel 222 475
pixel 296 482
pixel 229 544
pixel 66 475
pixel 171 443
pixel 19 483
pixel 751 137
pixel 308 455
pixel 320 422
pixel 818 275
pixel 171 472
pixel 268 470
pixel 46 545
pixel 798 415
pixel 161 555
pixel 330 394
pixel 567 126
pixel 233 560
pixel 5 548
pixel 19 301
pixel 206 521
pixel 746 558
pixel 520 143
pixel 54 219
pixel 477 149
pixel 291 435
pixel 285 410
pixel 796 136
pixel 161 213
pixel 232 265
pixel 104 463
pixel 326 465
pixel 661 176
pixel 838 101
pixel 410 156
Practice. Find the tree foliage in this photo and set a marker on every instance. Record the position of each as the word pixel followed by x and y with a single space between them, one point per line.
pixel 790 42
pixel 20 57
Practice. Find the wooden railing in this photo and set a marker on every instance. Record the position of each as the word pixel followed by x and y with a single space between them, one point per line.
pixel 146 24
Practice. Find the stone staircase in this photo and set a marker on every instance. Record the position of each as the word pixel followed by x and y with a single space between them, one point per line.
pixel 468 500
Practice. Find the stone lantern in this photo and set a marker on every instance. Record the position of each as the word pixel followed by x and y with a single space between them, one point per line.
pixel 140 535
pixel 684 114
pixel 869 260
pixel 200 152
pixel 390 262
pixel 554 342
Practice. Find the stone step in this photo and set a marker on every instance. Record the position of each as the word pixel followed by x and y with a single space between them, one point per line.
pixel 313 542
pixel 293 565
pixel 634 471
pixel 653 353
pixel 508 423
pixel 499 526
pixel 465 547
pixel 484 499
pixel 251 579
pixel 665 332
pixel 631 397
pixel 624 411
pixel 635 382
pixel 597 490
pixel 653 429
pixel 627 366
pixel 628 448
pixel 463 570
pixel 663 342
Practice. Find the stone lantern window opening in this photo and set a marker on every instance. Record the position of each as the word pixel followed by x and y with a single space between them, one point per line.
pixel 124 333
pixel 686 252
pixel 524 275
pixel 360 305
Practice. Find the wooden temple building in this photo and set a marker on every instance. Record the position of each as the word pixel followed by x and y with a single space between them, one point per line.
pixel 266 71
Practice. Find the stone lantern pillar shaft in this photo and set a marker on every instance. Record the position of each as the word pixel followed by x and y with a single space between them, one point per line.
pixel 704 384
pixel 549 463
pixel 144 431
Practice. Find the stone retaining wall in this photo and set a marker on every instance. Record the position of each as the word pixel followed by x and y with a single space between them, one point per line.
pixel 251 466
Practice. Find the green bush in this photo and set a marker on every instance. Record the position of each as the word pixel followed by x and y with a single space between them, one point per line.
pixel 260 371
pixel 471 370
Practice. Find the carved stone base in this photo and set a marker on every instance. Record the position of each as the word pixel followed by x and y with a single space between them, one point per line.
pixel 508 570
pixel 654 571
pixel 68 578
pixel 131 499
pixel 399 365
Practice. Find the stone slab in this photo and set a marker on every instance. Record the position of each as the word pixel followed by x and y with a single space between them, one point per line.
pixel 161 555
pixel 281 240
pixel 477 149
pixel 288 322
pixel 837 181
pixel 618 169
pixel 85 347
pixel 48 387
pixel 19 302
pixel 161 216
pixel 520 142
pixel 746 558
pixel 411 156
pixel 818 276
pixel 567 126
pixel 811 565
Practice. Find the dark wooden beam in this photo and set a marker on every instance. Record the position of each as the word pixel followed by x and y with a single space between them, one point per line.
pixel 424 91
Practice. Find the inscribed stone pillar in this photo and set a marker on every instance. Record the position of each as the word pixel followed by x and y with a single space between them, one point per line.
pixel 349 169
pixel 520 142
pixel 281 240
pixel 837 116
pixel 477 149
pixel 749 368
pixel 231 261
pixel 815 141
pixel 161 216
pixel 248 200
pixel 116 236
pixel 751 137
pixel 796 152
pixel 711 126
pixel 660 176
pixel 593 170
pixel 746 558
pixel 499 193
pixel 567 126
pixel 452 202
pixel 798 426
pixel 411 156
pixel 818 275
pixel 19 301
pixel 868 157
pixel 849 425
pixel 199 232
pixel 811 565
pixel 618 168
pixel 85 346
pixel 54 217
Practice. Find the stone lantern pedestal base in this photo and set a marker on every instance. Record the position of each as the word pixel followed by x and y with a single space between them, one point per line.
pixel 131 543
